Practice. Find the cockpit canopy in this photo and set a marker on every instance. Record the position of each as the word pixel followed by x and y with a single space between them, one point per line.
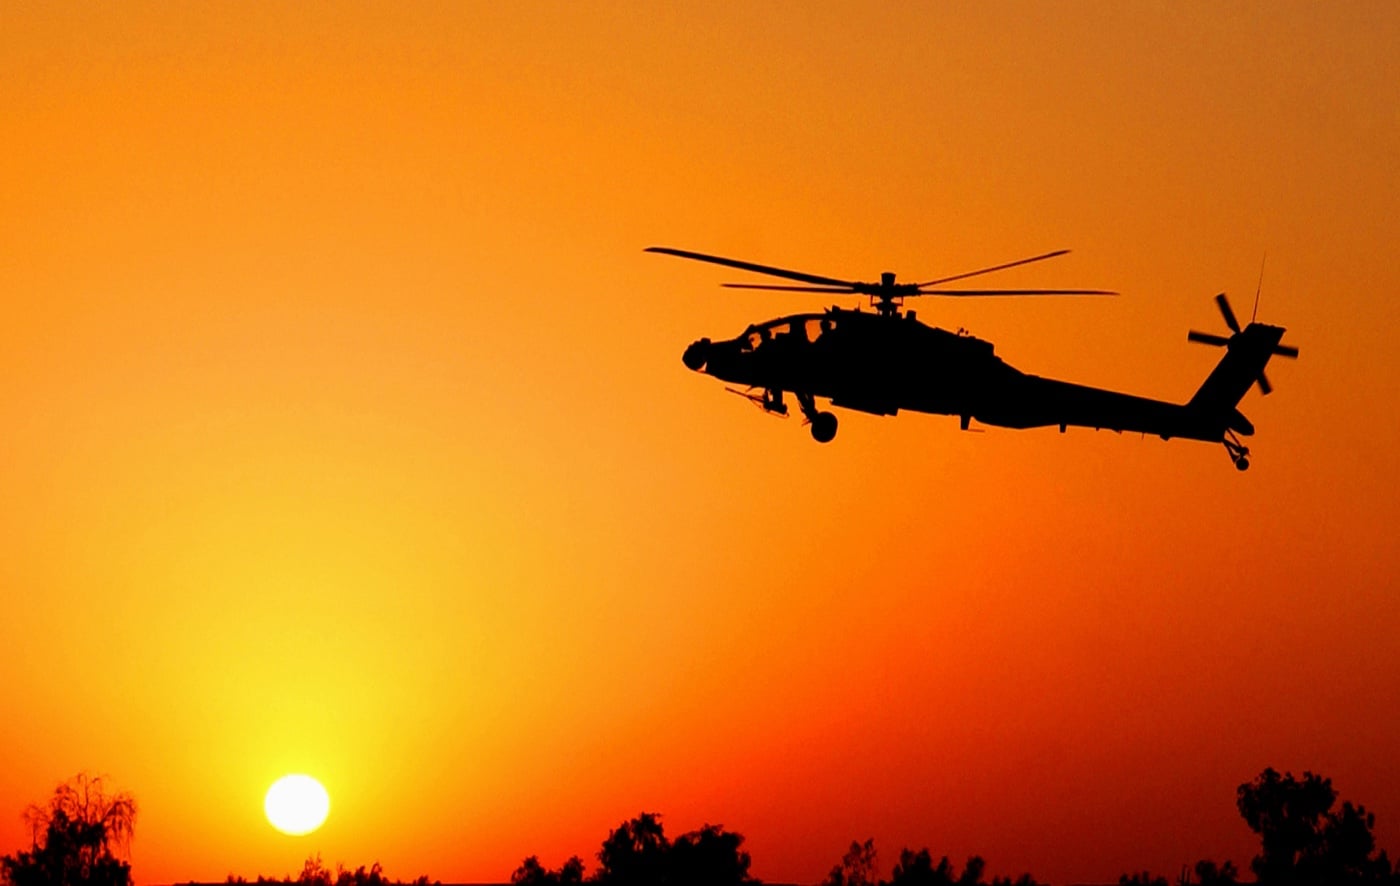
pixel 799 329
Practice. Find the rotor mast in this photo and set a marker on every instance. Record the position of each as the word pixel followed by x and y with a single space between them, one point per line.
pixel 890 295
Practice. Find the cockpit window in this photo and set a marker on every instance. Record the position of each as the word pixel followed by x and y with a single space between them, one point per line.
pixel 755 337
pixel 793 330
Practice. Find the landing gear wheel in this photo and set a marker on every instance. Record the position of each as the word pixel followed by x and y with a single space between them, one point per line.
pixel 823 427
pixel 1239 453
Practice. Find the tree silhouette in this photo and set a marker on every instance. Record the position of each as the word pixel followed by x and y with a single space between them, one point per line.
pixel 635 854
pixel 917 869
pixel 709 857
pixel 78 838
pixel 314 872
pixel 857 867
pixel 1303 841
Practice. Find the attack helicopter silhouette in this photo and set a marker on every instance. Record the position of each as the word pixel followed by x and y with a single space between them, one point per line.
pixel 883 361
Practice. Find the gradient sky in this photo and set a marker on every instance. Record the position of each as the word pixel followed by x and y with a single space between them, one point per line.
pixel 345 429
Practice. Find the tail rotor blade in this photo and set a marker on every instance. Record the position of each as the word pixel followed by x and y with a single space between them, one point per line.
pixel 1264 387
pixel 1205 338
pixel 1224 304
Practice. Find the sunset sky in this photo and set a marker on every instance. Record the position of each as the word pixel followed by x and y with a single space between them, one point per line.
pixel 343 428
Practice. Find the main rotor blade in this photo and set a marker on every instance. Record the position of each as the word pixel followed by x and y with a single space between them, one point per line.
pixel 1286 351
pixel 1010 264
pixel 1264 387
pixel 828 289
pixel 1224 304
pixel 750 266
pixel 1206 338
pixel 1010 292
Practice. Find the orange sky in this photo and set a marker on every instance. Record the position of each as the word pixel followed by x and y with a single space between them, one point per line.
pixel 345 429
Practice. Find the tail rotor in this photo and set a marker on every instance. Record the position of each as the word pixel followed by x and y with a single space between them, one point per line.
pixel 1220 341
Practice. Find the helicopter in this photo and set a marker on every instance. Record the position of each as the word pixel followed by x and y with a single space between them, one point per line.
pixel 885 360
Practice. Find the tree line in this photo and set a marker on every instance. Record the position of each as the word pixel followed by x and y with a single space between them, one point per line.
pixel 1305 840
pixel 315 873
pixel 81 837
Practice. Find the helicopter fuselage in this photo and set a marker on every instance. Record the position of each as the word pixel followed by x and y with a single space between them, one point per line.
pixel 882 363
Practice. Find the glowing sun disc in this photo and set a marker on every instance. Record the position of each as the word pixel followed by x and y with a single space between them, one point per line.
pixel 296 804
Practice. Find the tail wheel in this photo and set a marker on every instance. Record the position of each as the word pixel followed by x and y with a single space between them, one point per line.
pixel 823 427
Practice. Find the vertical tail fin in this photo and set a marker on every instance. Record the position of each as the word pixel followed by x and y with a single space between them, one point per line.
pixel 1247 353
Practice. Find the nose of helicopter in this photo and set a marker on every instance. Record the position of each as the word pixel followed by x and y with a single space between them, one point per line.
pixel 697 354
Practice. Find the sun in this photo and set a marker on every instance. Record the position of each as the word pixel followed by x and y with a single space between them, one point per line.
pixel 296 804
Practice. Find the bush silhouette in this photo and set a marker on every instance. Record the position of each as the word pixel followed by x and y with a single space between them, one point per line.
pixel 315 873
pixel 532 873
pixel 637 853
pixel 1142 878
pixel 858 868
pixel 1207 874
pixel 77 838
